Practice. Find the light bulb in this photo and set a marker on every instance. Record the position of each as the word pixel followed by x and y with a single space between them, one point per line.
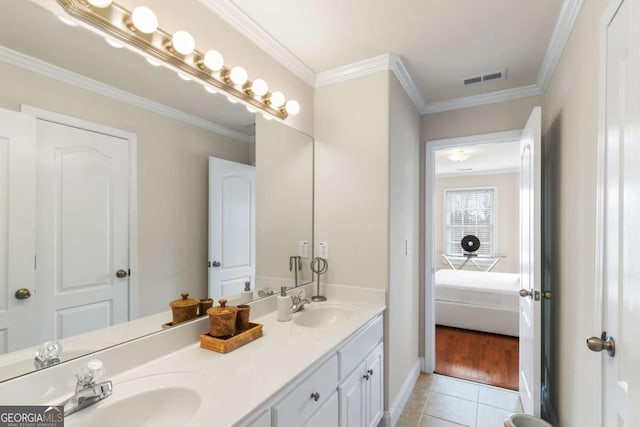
pixel 144 20
pixel 183 42
pixel 153 61
pixel 267 117
pixel 238 75
pixel 293 107
pixel 277 99
pixel 232 100
pixel 113 43
pixel 184 77
pixel 210 89
pixel 213 60
pixel 259 87
pixel 67 21
pixel 100 3
pixel 251 109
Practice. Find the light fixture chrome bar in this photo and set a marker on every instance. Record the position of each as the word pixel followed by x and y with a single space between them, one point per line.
pixel 115 22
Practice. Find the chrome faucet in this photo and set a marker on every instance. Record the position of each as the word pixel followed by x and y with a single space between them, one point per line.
pixel 298 302
pixel 87 390
pixel 49 353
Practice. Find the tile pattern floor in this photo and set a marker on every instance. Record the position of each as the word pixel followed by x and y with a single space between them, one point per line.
pixel 439 401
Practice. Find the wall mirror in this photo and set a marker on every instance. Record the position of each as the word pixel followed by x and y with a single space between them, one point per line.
pixel 169 131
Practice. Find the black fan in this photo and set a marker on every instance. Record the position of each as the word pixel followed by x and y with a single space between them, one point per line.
pixel 470 243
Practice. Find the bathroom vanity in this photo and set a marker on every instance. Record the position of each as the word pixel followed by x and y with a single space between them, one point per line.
pixel 322 368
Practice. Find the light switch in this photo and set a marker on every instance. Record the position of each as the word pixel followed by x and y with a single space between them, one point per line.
pixel 303 249
pixel 324 250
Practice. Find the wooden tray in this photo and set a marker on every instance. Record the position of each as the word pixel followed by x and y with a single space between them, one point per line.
pixel 230 343
pixel 167 325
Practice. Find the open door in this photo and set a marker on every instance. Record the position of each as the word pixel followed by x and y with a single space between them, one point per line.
pixel 530 263
pixel 232 224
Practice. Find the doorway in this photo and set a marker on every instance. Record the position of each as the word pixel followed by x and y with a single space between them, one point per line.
pixel 476 238
pixel 475 300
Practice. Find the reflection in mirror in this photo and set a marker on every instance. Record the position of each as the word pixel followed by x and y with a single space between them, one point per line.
pixel 104 191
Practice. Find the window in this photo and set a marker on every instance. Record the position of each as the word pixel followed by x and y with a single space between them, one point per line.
pixel 469 211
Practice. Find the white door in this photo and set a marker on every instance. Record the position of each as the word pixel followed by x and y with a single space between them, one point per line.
pixel 530 263
pixel 621 273
pixel 17 230
pixel 82 228
pixel 232 224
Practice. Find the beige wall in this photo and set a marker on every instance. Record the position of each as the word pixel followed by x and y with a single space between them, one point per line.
pixel 570 132
pixel 352 179
pixel 507 203
pixel 502 116
pixel 172 180
pixel 403 294
pixel 284 200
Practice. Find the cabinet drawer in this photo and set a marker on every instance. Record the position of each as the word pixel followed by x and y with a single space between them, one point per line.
pixel 327 416
pixel 357 349
pixel 299 404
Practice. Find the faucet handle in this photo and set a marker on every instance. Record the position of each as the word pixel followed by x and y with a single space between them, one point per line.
pixel 48 353
pixel 89 373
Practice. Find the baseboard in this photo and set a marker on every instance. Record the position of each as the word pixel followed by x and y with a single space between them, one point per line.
pixel 395 409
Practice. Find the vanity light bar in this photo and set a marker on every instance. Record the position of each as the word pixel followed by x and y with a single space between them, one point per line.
pixel 115 22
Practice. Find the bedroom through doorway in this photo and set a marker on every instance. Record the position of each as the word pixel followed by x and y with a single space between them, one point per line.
pixel 476 271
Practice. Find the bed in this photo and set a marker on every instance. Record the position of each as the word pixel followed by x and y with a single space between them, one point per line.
pixel 478 300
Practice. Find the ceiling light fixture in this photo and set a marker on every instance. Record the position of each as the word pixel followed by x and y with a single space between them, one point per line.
pixel 459 156
pixel 139 31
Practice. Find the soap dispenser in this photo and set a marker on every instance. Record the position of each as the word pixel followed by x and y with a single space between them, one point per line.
pixel 284 305
pixel 246 295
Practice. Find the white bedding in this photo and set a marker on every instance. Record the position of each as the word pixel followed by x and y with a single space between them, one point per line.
pixel 483 288
pixel 478 300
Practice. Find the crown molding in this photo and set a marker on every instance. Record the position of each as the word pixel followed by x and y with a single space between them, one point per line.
pixel 402 74
pixel 355 70
pixel 559 38
pixel 241 22
pixel 483 99
pixel 46 69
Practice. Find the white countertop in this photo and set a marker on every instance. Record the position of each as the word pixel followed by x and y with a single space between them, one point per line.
pixel 239 382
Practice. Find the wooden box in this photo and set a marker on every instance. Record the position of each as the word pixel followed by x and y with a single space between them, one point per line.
pixel 230 343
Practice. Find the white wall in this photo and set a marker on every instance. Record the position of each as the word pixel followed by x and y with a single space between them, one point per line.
pixel 172 180
pixel 570 120
pixel 507 203
pixel 284 201
pixel 352 179
pixel 403 295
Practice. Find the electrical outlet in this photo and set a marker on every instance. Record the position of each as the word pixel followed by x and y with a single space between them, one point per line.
pixel 324 250
pixel 303 249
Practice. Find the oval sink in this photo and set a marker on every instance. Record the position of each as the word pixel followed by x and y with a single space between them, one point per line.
pixel 324 314
pixel 159 400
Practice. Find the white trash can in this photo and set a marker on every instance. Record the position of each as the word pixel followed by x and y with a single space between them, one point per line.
pixel 522 420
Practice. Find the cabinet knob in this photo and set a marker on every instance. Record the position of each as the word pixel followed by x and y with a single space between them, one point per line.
pixel 366 377
pixel 370 372
pixel 315 396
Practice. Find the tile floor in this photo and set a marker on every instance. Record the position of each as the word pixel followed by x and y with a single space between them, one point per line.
pixel 439 401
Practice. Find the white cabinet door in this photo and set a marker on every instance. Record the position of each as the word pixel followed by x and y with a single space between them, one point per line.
pixel 375 387
pixel 352 398
pixel 327 415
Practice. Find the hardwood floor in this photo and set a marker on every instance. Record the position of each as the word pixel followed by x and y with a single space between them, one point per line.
pixel 477 356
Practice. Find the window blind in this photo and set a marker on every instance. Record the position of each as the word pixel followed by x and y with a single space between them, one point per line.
pixel 469 211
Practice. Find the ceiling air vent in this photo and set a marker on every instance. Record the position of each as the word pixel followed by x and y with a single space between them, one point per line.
pixel 485 77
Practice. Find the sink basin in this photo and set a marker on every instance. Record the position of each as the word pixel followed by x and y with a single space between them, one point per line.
pixel 324 314
pixel 159 400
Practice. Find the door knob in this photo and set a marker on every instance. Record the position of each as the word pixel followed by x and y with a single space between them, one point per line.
pixel 215 264
pixel 23 293
pixel 525 293
pixel 121 274
pixel 603 343
pixel 546 294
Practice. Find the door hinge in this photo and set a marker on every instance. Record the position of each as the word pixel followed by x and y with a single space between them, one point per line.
pixel 129 272
pixel 209 264
pixel 35 262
